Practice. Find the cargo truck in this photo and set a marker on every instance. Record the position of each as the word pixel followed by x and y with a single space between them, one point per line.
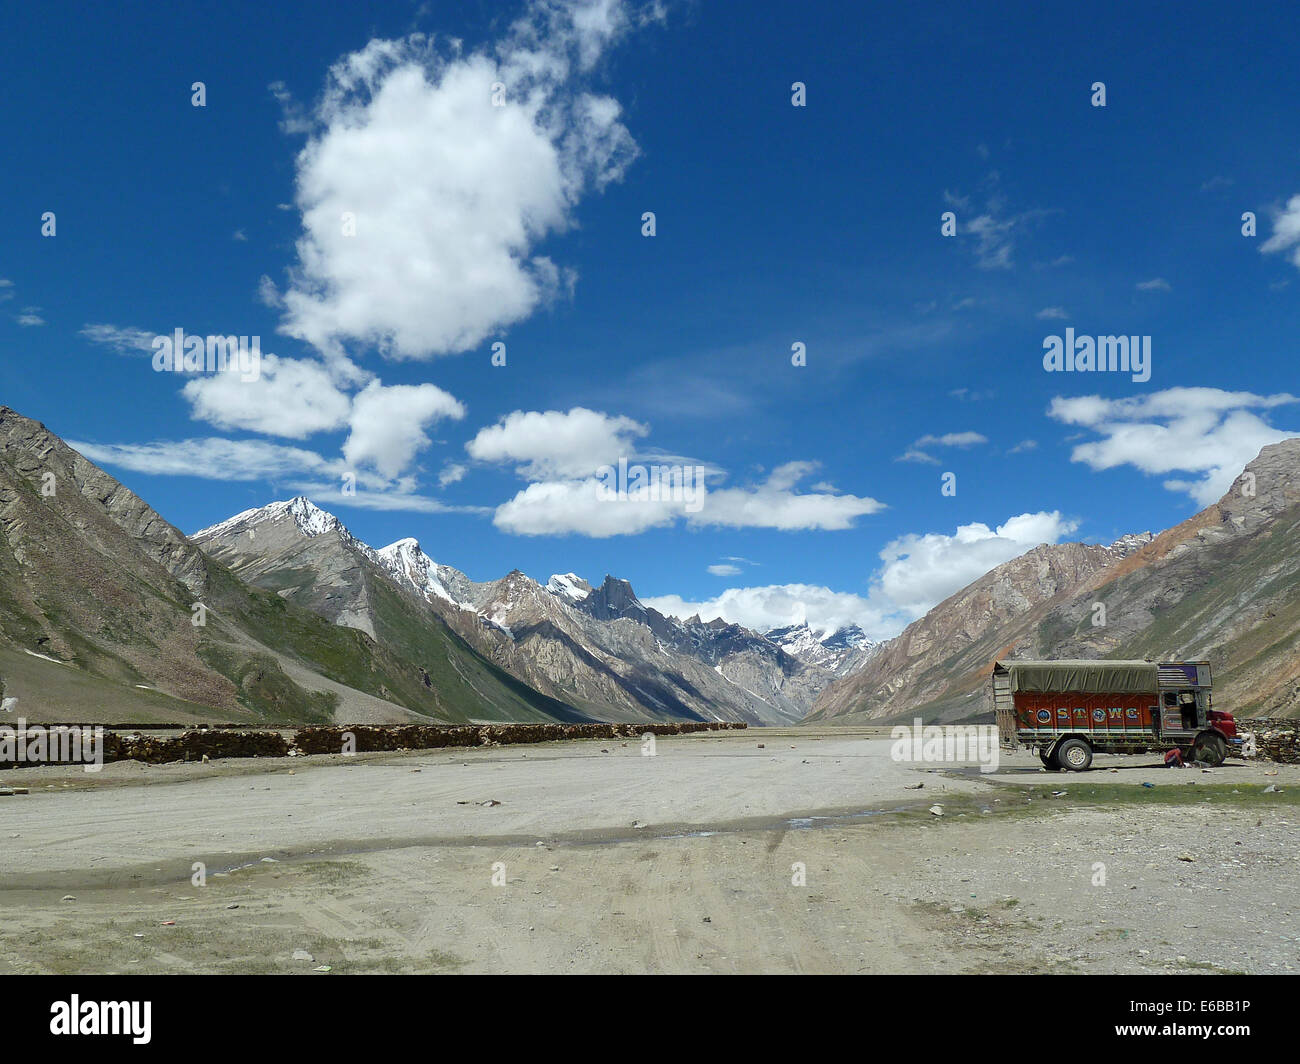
pixel 1069 710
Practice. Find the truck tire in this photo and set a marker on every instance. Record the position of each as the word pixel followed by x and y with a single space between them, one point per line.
pixel 1210 748
pixel 1074 755
pixel 1047 756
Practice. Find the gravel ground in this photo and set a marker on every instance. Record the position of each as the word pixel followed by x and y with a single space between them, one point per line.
pixel 813 853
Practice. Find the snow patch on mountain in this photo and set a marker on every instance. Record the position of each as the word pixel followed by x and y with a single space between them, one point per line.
pixel 568 586
pixel 1127 544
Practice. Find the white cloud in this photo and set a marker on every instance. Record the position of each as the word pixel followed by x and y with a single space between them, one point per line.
pixel 212 458
pixel 1286 231
pixel 565 507
pixel 952 439
pixel 452 473
pixel 125 340
pixel 388 424
pixel 267 294
pixel 30 317
pixel 387 499
pixel 996 231
pixel 775 504
pixel 292 468
pixel 293 118
pixel 1190 430
pixel 1052 314
pixel 724 569
pixel 555 443
pixel 915 452
pixel 918 572
pixel 450 194
pixel 1156 284
pixel 293 398
pixel 573 506
pixel 780 605
pixel 922 570
pixel 995 242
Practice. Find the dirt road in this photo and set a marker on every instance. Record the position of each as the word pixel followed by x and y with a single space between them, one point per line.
pixel 760 851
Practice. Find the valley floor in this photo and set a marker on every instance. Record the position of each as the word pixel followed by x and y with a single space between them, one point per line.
pixel 611 861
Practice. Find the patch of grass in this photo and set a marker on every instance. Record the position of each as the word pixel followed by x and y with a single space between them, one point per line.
pixel 1245 795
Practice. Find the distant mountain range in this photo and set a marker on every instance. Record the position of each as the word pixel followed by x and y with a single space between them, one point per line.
pixel 1223 586
pixel 279 614
pixel 597 649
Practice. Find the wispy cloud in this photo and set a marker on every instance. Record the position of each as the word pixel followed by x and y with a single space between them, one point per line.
pixel 124 339
pixel 917 453
pixel 294 468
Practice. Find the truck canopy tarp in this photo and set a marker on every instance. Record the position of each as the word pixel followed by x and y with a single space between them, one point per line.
pixel 1088 677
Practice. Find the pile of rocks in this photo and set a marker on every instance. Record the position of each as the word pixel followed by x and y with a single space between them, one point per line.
pixel 1275 740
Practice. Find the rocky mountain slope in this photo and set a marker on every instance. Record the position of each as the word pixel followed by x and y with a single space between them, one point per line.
pixel 98 601
pixel 1223 585
pixel 597 648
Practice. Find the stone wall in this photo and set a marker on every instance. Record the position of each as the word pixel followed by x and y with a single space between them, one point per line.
pixel 1275 740
pixel 322 740
pixel 194 744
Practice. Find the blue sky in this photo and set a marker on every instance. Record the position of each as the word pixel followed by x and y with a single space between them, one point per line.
pixel 775 224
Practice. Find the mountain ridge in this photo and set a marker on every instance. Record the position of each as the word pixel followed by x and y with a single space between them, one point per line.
pixel 598 647
pixel 1161 596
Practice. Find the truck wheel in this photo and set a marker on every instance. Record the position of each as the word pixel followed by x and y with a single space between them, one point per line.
pixel 1048 757
pixel 1210 748
pixel 1074 755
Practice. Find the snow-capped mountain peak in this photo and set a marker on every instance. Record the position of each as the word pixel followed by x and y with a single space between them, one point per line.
pixel 310 518
pixel 834 648
pixel 568 586
pixel 1132 541
pixel 409 564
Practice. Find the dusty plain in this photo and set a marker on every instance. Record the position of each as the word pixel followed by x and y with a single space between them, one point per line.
pixel 766 851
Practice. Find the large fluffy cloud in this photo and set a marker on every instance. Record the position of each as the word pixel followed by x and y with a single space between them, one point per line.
pixel 1186 430
pixel 555 443
pixel 563 507
pixel 918 571
pixel 388 424
pixel 779 605
pixel 293 398
pixel 452 168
